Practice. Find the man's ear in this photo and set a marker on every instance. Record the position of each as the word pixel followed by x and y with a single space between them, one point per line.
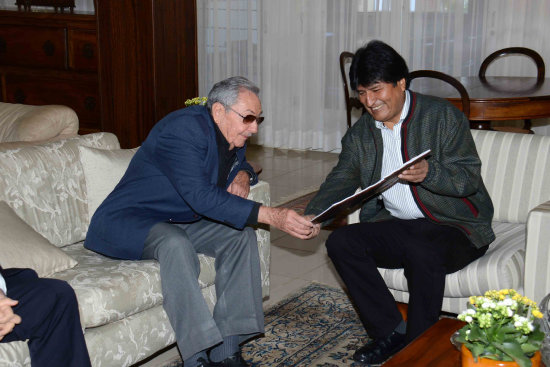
pixel 218 112
pixel 402 84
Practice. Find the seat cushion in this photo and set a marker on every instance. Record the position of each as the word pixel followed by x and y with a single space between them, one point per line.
pixel 501 267
pixel 110 289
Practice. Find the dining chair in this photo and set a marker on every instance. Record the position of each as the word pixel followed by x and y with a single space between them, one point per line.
pixel 446 78
pixel 526 129
pixel 351 102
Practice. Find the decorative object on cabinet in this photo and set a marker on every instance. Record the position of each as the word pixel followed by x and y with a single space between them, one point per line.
pixel 56 4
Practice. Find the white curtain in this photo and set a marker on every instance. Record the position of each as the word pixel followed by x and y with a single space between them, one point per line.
pixel 290 48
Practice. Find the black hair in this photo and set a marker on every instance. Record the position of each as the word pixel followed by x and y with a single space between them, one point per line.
pixel 377 62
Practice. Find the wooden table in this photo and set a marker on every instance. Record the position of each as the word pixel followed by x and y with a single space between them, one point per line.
pixel 431 349
pixel 495 98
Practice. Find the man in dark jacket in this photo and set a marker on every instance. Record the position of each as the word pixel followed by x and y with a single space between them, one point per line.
pixel 185 193
pixel 434 221
pixel 45 313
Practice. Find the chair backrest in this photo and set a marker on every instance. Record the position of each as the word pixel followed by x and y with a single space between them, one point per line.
pixel 449 79
pixel 351 102
pixel 515 170
pixel 511 51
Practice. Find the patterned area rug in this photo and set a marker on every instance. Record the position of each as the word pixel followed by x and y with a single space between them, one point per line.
pixel 317 326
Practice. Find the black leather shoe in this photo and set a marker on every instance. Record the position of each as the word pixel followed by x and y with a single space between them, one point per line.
pixel 203 363
pixel 236 360
pixel 378 350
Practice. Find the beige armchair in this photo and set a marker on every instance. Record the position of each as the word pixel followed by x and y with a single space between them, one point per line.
pixel 21 124
pixel 516 171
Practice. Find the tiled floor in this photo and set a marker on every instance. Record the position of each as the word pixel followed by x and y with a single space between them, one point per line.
pixel 294 263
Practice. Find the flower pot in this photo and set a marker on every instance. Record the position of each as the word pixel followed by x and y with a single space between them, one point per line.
pixel 469 361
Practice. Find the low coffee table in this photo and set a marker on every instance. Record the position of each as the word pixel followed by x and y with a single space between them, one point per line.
pixel 431 349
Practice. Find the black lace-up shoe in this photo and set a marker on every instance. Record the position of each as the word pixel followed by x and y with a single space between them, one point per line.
pixel 236 360
pixel 378 350
pixel 203 363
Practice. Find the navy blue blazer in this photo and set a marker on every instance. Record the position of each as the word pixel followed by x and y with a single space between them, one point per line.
pixel 171 178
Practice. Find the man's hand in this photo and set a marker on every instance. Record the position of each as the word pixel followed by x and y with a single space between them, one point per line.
pixel 416 173
pixel 289 221
pixel 240 185
pixel 316 227
pixel 8 319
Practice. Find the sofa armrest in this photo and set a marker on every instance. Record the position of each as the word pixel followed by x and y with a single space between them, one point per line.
pixel 537 253
pixel 26 123
pixel 260 193
pixel 353 217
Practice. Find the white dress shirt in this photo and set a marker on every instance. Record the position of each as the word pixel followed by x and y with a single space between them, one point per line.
pixel 398 199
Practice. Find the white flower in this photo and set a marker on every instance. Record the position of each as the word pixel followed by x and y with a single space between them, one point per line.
pixel 468 319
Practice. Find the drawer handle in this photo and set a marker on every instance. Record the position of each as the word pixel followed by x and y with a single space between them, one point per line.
pixel 89 103
pixel 3 47
pixel 19 96
pixel 88 51
pixel 49 48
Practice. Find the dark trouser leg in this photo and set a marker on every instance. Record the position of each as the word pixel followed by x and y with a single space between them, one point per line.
pixel 238 309
pixel 50 320
pixel 425 250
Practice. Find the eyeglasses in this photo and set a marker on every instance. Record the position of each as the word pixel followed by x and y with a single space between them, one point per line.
pixel 248 119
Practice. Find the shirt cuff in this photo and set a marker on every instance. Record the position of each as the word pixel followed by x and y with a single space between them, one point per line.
pixel 253 216
pixel 3 282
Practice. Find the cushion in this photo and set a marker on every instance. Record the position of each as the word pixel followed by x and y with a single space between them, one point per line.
pixel 501 267
pixel 103 169
pixel 44 184
pixel 22 247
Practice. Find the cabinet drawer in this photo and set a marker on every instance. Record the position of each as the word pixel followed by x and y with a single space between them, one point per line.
pixel 82 50
pixel 43 47
pixel 79 93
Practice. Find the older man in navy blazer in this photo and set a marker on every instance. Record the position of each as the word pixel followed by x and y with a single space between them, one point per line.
pixel 185 193
pixel 45 313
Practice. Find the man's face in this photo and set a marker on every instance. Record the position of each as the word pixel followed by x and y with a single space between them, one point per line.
pixel 384 101
pixel 230 121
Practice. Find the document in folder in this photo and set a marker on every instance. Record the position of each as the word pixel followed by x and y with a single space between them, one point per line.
pixel 358 198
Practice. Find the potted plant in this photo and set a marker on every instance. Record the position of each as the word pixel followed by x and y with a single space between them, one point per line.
pixel 196 101
pixel 500 327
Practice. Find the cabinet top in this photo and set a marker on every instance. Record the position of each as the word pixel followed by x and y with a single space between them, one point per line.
pixel 14 16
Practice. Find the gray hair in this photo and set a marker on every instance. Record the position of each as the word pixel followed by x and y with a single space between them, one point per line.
pixel 227 91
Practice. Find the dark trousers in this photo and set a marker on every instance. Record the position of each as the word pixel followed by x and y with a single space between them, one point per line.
pixel 49 319
pixel 426 251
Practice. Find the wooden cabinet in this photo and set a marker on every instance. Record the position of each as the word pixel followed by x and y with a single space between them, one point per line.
pixel 121 69
pixel 48 58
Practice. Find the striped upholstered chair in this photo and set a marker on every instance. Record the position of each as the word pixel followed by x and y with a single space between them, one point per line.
pixel 516 172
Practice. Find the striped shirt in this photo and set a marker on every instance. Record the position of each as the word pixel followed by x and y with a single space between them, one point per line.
pixel 398 199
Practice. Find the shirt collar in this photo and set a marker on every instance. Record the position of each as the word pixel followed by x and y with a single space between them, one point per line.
pixel 223 144
pixel 404 112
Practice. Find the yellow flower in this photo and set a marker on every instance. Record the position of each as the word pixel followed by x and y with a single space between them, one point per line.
pixel 537 314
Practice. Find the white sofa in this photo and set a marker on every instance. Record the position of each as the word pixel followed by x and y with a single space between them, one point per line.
pixel 22 124
pixel 50 187
pixel 516 172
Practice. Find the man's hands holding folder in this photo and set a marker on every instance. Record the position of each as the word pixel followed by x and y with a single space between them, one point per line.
pixel 289 221
pixel 415 173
